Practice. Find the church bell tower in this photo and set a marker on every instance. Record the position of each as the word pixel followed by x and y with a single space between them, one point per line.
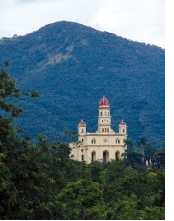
pixel 104 116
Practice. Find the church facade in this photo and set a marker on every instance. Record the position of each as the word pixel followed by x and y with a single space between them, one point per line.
pixel 103 145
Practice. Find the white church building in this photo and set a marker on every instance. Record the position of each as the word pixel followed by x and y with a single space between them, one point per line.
pixel 103 145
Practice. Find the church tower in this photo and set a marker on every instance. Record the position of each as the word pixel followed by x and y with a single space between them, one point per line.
pixel 104 116
pixel 81 130
pixel 123 128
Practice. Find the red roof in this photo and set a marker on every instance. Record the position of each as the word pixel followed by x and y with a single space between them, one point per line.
pixel 104 101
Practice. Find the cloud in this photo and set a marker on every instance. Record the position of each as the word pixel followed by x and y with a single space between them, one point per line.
pixel 138 20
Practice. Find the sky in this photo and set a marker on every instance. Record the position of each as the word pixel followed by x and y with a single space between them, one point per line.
pixel 140 20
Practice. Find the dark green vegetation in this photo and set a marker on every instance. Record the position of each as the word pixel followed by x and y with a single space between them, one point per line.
pixel 39 181
pixel 72 66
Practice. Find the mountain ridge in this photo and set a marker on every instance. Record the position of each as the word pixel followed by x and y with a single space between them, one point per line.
pixel 73 65
pixel 63 22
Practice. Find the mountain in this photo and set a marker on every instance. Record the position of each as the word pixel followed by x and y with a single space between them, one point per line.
pixel 72 66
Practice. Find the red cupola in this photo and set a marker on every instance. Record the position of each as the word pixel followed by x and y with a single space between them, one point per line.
pixel 104 102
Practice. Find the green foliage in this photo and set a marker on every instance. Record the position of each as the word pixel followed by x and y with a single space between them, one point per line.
pixel 39 181
pixel 8 89
pixel 82 199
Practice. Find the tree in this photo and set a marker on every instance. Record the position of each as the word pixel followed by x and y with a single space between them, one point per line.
pixel 8 90
pixel 133 156
pixel 82 199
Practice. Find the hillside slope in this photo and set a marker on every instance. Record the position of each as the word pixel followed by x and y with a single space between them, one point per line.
pixel 72 66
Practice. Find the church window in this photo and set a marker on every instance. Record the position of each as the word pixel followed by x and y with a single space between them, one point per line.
pixel 103 130
pixel 101 113
pixel 123 130
pixel 72 156
pixel 117 141
pixel 93 156
pixel 117 155
pixel 82 130
pixel 93 141
pixel 82 140
pixel 82 157
pixel 105 156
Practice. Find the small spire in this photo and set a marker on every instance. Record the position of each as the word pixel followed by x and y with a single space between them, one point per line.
pixel 123 122
pixel 104 101
pixel 82 123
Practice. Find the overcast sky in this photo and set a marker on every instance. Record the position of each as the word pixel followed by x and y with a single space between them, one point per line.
pixel 141 20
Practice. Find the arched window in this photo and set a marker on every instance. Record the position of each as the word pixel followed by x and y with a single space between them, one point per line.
pixel 103 130
pixel 101 113
pixel 93 156
pixel 82 140
pixel 105 156
pixel 123 130
pixel 93 141
pixel 82 130
pixel 117 141
pixel 82 157
pixel 117 155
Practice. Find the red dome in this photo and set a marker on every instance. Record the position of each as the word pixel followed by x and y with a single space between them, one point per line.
pixel 104 101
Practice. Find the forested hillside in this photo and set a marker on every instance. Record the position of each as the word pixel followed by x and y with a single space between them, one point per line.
pixel 39 181
pixel 72 66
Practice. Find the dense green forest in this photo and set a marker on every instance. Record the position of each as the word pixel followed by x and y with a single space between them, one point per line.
pixel 39 181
